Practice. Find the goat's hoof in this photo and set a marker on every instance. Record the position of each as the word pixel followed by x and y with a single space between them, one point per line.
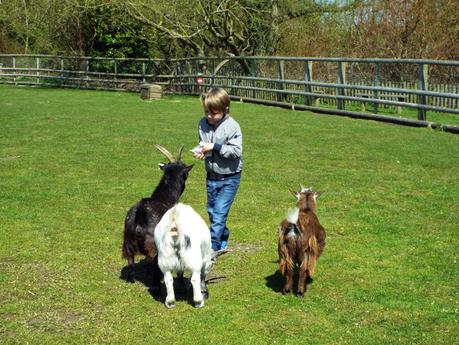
pixel 300 294
pixel 198 304
pixel 285 292
pixel 170 304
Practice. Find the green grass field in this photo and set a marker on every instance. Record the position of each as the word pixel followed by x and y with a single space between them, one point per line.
pixel 72 163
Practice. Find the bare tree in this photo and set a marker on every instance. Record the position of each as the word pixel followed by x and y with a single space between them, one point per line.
pixel 234 27
pixel 407 28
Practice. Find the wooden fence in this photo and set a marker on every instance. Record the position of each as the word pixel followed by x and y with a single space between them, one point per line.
pixel 345 84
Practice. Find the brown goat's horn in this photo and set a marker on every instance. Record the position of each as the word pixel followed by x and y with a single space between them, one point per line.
pixel 166 153
pixel 179 155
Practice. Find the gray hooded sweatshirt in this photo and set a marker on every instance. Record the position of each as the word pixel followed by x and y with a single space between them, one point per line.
pixel 226 157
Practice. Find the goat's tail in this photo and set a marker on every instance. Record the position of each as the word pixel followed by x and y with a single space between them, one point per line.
pixel 173 230
pixel 130 246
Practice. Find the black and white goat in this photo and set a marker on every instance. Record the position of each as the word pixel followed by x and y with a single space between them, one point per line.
pixel 184 245
pixel 142 218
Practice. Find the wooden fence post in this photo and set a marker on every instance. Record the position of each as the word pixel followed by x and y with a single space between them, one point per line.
pixel 38 70
pixel 423 76
pixel 177 80
pixel 254 74
pixel 195 74
pixel 144 71
pixel 115 67
pixel 308 78
pixel 212 69
pixel 377 83
pixel 189 87
pixel 87 73
pixel 14 70
pixel 341 80
pixel 280 76
pixel 62 71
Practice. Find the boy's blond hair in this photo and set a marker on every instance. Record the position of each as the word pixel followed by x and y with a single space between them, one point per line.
pixel 216 99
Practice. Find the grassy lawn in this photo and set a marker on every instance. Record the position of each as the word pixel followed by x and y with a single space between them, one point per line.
pixel 72 162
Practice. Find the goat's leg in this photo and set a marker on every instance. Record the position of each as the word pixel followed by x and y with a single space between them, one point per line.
pixel 288 274
pixel 197 295
pixel 303 274
pixel 156 275
pixel 203 285
pixel 131 269
pixel 169 282
pixel 152 256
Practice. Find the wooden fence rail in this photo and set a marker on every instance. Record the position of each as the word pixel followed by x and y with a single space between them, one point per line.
pixel 366 84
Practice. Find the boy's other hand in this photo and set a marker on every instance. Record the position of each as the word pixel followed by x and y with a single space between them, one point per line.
pixel 206 147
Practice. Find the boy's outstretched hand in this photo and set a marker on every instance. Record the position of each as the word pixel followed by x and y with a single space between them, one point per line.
pixel 200 151
pixel 199 155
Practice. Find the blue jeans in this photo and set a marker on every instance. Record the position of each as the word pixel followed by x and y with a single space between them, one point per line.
pixel 220 197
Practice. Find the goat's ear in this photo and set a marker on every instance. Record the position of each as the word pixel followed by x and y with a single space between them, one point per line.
pixel 189 167
pixel 161 165
pixel 317 194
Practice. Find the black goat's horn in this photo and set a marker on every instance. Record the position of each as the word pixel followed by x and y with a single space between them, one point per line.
pixel 166 153
pixel 179 155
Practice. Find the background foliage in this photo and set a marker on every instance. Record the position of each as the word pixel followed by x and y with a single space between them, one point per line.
pixel 178 28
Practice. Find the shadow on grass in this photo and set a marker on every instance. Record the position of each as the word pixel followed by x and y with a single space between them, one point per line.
pixel 143 273
pixel 276 281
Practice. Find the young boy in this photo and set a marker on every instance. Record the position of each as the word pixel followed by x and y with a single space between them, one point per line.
pixel 221 146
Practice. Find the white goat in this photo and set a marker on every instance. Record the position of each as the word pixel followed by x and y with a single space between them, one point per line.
pixel 183 242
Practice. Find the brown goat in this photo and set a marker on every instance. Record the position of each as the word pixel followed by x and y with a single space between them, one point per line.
pixel 301 241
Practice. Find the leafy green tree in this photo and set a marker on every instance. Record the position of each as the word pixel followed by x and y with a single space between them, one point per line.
pixel 113 35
